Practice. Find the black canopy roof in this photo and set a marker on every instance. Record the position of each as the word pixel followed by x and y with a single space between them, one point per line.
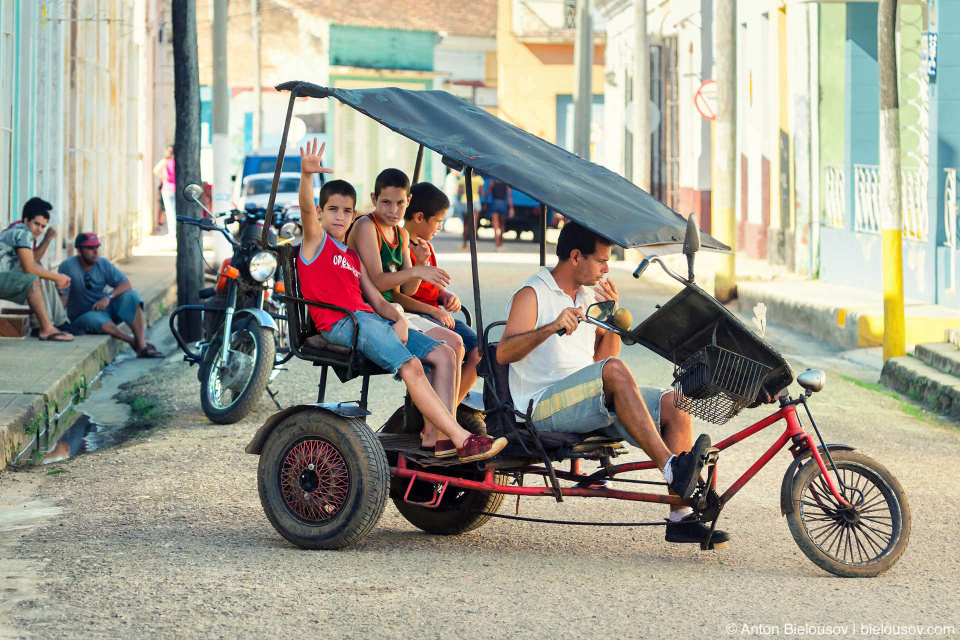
pixel 592 195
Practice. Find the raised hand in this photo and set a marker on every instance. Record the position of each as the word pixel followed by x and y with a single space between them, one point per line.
pixel 310 159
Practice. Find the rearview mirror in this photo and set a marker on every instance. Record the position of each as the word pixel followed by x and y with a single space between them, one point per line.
pixel 602 311
pixel 193 192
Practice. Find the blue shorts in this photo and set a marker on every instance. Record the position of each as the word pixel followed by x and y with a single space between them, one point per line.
pixel 122 308
pixel 499 207
pixel 378 342
pixel 576 404
pixel 468 335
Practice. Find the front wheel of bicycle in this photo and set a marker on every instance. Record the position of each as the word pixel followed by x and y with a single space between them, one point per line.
pixel 861 541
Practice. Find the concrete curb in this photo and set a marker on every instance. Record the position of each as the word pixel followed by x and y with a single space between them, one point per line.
pixel 25 408
pixel 816 318
pixel 923 383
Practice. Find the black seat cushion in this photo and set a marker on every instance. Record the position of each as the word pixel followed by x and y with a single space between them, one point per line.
pixel 318 345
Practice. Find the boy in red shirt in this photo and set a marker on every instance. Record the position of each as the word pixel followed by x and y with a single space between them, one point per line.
pixel 422 220
pixel 330 272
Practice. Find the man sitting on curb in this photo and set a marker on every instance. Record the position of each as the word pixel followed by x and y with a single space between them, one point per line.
pixel 92 309
pixel 20 269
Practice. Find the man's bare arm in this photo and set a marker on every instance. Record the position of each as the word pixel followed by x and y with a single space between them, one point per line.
pixel 520 337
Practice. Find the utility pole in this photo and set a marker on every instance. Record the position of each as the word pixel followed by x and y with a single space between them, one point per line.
pixel 891 225
pixel 641 97
pixel 220 125
pixel 186 92
pixel 725 148
pixel 583 79
pixel 257 79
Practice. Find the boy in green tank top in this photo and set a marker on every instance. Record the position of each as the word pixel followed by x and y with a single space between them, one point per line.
pixel 383 246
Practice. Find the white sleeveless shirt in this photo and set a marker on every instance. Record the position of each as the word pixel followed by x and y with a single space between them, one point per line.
pixel 558 356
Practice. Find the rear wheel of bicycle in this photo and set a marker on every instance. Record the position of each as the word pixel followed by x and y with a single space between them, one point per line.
pixel 228 392
pixel 457 512
pixel 858 542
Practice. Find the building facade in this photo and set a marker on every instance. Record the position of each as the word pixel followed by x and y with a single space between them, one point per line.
pixel 535 72
pixel 71 122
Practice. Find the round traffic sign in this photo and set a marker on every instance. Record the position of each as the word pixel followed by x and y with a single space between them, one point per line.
pixel 706 99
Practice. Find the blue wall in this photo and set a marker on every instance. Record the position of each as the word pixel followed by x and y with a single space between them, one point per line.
pixel 945 137
pixel 862 96
pixel 381 48
pixel 850 258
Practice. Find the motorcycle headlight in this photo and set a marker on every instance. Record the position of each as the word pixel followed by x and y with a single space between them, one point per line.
pixel 263 264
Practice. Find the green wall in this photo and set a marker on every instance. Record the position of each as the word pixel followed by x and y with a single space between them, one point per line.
pixel 372 48
pixel 833 34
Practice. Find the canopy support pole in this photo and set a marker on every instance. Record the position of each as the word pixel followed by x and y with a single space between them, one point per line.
pixel 268 221
pixel 543 235
pixel 416 169
pixel 468 177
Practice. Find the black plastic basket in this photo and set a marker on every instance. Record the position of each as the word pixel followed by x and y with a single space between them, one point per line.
pixel 715 384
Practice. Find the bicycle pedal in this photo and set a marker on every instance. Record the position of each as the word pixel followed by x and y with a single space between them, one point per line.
pixel 710 456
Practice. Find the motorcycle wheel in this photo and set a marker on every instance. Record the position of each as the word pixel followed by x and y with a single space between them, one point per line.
pixel 862 542
pixel 323 480
pixel 227 394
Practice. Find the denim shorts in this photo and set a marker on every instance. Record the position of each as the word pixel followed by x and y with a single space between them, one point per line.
pixel 576 404
pixel 468 335
pixel 499 207
pixel 378 342
pixel 122 308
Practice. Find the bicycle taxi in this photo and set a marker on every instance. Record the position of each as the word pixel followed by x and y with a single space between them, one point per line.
pixel 325 475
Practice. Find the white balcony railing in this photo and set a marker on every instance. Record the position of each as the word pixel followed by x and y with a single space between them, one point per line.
pixel 950 225
pixel 836 189
pixel 867 211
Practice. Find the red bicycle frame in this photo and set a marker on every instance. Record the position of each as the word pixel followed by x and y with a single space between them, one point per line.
pixel 794 431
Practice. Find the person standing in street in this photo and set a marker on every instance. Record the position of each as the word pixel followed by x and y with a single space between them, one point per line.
pixel 166 171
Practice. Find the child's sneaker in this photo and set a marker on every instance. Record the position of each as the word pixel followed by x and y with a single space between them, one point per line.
pixel 476 448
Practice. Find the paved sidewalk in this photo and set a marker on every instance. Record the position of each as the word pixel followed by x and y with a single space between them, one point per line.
pixel 35 375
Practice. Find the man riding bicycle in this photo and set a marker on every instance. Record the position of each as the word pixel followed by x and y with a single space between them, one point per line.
pixel 570 370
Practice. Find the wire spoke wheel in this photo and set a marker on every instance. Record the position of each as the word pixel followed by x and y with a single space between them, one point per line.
pixel 323 479
pixel 314 480
pixel 861 540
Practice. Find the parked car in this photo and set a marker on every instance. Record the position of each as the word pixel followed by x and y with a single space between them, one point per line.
pixel 264 161
pixel 255 190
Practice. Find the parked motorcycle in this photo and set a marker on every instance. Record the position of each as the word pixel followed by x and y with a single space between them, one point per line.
pixel 244 343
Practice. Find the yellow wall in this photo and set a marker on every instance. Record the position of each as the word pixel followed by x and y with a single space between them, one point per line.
pixel 530 76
